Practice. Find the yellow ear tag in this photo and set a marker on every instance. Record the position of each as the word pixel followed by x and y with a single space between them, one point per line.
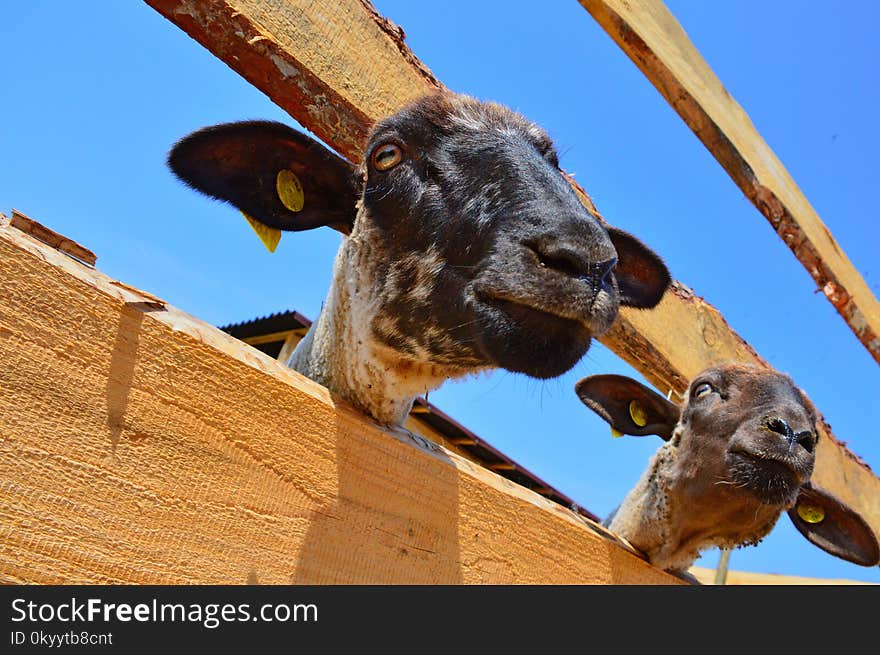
pixel 270 236
pixel 637 414
pixel 811 513
pixel 615 432
pixel 289 189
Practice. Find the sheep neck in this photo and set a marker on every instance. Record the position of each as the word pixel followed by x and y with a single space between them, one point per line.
pixel 341 351
pixel 661 516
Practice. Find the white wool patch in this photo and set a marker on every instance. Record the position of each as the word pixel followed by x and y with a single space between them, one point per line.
pixel 427 267
pixel 643 517
pixel 341 351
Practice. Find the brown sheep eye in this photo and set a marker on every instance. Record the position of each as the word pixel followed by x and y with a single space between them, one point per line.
pixel 387 156
pixel 702 390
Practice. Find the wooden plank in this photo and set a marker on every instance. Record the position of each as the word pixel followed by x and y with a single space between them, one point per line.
pixel 140 445
pixel 413 421
pixel 289 345
pixel 52 238
pixel 658 45
pixel 270 338
pixel 668 344
pixel 288 48
pixel 706 576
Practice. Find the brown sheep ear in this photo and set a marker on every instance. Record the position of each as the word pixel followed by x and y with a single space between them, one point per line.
pixel 629 406
pixel 271 172
pixel 835 528
pixel 642 277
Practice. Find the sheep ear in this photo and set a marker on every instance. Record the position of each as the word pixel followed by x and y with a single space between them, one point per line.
pixel 642 277
pixel 835 528
pixel 628 406
pixel 271 172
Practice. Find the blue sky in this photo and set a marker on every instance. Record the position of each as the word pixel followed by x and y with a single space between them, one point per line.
pixel 94 95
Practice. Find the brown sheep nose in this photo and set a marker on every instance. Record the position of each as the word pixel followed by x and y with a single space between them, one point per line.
pixel 783 429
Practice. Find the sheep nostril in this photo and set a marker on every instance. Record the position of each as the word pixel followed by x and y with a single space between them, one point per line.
pixel 563 259
pixel 602 271
pixel 574 263
pixel 779 426
pixel 805 439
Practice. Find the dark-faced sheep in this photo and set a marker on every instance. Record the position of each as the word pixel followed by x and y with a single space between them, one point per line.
pixel 738 453
pixel 466 248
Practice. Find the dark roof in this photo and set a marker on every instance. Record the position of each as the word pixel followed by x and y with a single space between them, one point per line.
pixel 451 429
pixel 277 322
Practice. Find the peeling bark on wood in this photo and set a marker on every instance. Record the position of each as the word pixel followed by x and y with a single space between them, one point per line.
pixel 287 48
pixel 50 237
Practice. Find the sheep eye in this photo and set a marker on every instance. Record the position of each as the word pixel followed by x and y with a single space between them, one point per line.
pixel 387 156
pixel 703 389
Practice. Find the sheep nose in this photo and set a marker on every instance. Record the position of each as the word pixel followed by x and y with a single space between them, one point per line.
pixel 575 263
pixel 780 426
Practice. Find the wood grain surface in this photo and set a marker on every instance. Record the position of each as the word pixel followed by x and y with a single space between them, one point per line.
pixel 140 445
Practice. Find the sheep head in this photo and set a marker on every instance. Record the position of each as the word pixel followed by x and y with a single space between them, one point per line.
pixel 473 249
pixel 739 451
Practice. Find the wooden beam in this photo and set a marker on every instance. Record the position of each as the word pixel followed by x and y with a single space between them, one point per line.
pixel 658 45
pixel 338 88
pixel 289 345
pixel 413 422
pixel 706 576
pixel 142 446
pixel 289 49
pixel 50 237
pixel 261 339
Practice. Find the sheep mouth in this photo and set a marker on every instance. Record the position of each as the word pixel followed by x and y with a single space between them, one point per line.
pixel 771 479
pixel 523 338
pixel 590 318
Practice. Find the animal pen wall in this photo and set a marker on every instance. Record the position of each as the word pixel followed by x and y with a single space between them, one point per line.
pixel 141 445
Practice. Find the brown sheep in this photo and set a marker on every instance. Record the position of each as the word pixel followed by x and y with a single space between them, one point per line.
pixel 738 453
